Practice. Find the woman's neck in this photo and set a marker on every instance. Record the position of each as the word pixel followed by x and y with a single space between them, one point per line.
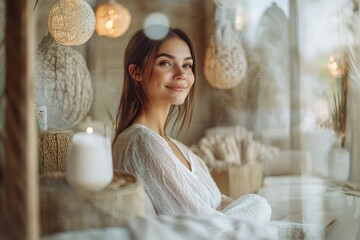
pixel 153 119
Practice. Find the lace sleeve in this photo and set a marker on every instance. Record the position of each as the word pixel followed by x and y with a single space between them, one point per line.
pixel 170 189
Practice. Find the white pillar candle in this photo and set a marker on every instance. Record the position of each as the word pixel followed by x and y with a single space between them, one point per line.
pixel 89 164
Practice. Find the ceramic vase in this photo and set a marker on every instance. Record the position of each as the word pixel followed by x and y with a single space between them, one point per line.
pixel 339 163
pixel 318 143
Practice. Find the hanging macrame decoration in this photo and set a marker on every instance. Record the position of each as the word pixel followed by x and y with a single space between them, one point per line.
pixel 225 59
pixel 63 84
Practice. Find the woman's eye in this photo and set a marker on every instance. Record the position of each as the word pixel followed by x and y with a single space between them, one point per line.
pixel 165 63
pixel 187 65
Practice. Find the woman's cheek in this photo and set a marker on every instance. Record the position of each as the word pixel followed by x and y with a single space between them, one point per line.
pixel 192 80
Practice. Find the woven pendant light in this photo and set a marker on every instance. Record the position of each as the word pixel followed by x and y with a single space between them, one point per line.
pixel 71 22
pixel 112 19
pixel 225 58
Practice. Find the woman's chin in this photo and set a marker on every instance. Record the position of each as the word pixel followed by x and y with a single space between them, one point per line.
pixel 177 104
pixel 178 101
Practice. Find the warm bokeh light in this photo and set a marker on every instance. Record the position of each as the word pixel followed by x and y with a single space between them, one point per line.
pixel 112 19
pixel 336 65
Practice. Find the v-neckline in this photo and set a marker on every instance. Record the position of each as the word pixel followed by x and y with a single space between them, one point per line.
pixel 187 158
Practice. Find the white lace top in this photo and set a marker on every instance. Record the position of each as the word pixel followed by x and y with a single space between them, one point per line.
pixel 172 187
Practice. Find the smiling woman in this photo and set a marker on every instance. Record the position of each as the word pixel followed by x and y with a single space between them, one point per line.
pixel 159 79
pixel 162 80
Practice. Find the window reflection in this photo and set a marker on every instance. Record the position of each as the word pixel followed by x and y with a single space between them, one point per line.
pixel 311 188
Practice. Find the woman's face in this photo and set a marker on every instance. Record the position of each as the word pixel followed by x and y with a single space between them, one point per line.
pixel 171 77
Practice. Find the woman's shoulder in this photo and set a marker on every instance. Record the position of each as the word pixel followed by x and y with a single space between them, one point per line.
pixel 134 141
pixel 136 134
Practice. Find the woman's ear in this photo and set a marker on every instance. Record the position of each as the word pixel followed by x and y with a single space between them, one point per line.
pixel 135 72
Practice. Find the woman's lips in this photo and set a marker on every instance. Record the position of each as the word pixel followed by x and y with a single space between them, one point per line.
pixel 177 88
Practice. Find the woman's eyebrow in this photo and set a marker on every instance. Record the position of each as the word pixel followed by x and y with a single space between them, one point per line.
pixel 171 56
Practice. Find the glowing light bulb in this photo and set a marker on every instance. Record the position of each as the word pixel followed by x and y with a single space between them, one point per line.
pixel 109 24
pixel 336 65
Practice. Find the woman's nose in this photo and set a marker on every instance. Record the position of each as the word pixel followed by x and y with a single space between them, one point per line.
pixel 179 74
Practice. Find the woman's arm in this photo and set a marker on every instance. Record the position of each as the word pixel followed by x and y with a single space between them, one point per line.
pixel 250 207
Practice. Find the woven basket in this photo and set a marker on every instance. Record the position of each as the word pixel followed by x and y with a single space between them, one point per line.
pixel 54 146
pixel 66 209
pixel 236 181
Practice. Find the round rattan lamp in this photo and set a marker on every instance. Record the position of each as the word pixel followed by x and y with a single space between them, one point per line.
pixel 112 19
pixel 71 22
pixel 63 84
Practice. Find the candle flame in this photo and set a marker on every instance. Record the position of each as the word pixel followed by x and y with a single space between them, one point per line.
pixel 89 130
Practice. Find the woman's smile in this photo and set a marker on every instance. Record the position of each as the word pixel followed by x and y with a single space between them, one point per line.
pixel 177 88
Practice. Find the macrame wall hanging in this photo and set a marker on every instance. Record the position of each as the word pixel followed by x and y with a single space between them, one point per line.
pixel 225 61
pixel 63 84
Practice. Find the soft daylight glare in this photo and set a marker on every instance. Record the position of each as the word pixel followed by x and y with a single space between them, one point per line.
pixel 159 26
pixel 239 21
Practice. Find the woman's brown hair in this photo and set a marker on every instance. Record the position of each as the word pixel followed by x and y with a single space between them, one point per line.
pixel 141 51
